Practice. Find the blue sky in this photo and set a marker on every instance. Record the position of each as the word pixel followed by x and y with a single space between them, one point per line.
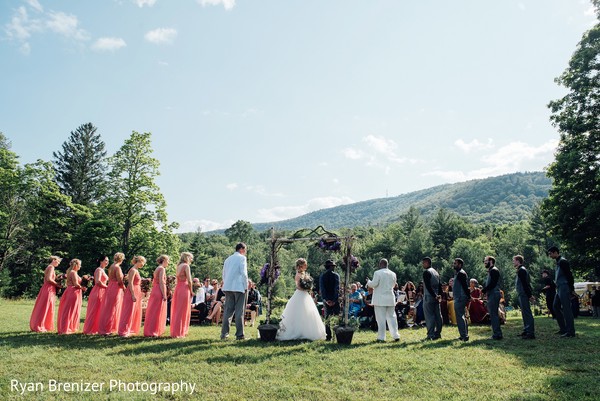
pixel 266 110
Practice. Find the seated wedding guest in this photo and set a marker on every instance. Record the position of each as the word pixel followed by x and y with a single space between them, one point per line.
pixel 451 312
pixel 444 296
pixel 419 313
pixel 199 299
pixel 402 308
pixel 181 308
pixel 131 314
pixel 156 311
pixel 42 316
pixel 366 316
pixel 253 302
pixel 411 292
pixel 69 309
pixel 477 310
pixel 218 302
pixel 96 297
pixel 113 299
pixel 361 289
pixel 356 301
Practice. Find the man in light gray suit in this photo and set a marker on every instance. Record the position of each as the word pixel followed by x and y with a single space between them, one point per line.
pixel 431 301
pixel 235 284
pixel 384 300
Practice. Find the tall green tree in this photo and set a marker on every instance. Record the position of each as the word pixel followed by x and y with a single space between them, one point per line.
pixel 240 231
pixel 81 166
pixel 135 202
pixel 573 205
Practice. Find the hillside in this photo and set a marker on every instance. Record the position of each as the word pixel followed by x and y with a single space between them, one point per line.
pixel 503 199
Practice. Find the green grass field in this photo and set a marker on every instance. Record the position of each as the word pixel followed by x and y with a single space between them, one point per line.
pixel 548 368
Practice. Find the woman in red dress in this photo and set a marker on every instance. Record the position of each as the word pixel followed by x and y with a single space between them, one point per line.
pixel 131 314
pixel 69 309
pixel 113 300
pixel 96 298
pixel 181 306
pixel 156 312
pixel 42 316
pixel 477 310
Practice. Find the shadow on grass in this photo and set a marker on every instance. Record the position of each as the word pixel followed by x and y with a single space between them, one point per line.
pixel 575 358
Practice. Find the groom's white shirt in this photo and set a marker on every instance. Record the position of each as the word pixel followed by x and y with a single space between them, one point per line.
pixel 235 273
pixel 383 287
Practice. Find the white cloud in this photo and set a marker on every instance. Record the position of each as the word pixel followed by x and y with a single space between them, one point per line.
pixel 204 225
pixel 287 212
pixel 474 145
pixel 66 25
pixel 231 186
pixel 261 190
pixel 142 3
pixel 379 153
pixel 35 4
pixel 161 36
pixel 20 26
pixel 511 158
pixel 353 154
pixel 108 44
pixel 228 4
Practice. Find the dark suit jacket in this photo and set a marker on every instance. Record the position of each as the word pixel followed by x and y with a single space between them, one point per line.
pixel 329 285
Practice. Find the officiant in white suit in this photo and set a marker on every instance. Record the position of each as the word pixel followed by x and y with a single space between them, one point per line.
pixel 384 300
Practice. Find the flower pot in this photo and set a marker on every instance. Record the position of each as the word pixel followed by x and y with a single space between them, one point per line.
pixel 343 334
pixel 268 332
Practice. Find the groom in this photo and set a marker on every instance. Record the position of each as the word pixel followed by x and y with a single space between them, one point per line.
pixel 329 289
pixel 384 300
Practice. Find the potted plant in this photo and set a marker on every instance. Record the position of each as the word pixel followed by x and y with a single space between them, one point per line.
pixel 344 331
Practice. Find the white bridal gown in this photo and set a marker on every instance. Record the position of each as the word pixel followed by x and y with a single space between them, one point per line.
pixel 300 319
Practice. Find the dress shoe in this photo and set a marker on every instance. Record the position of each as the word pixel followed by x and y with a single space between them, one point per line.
pixel 567 335
pixel 496 338
pixel 438 337
pixel 379 341
pixel 463 338
pixel 241 338
pixel 522 334
pixel 226 336
pixel 396 339
pixel 528 337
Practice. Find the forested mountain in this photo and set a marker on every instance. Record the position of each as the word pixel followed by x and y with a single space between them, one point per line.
pixel 503 199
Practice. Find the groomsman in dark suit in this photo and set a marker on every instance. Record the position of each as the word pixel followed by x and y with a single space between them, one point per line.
pixel 462 295
pixel 431 301
pixel 523 287
pixel 565 286
pixel 329 289
pixel 492 289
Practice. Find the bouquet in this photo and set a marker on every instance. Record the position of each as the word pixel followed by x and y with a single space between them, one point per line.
pixel 87 281
pixel 60 280
pixel 306 282
pixel 171 280
pixel 145 285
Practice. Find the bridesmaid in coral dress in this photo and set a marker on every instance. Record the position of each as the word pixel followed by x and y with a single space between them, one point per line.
pixel 96 298
pixel 156 312
pixel 113 299
pixel 69 309
pixel 181 306
pixel 131 314
pixel 42 316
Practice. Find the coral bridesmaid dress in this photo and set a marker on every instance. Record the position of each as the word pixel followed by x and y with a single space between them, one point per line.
pixel 95 304
pixel 111 312
pixel 42 316
pixel 181 307
pixel 69 310
pixel 156 312
pixel 131 314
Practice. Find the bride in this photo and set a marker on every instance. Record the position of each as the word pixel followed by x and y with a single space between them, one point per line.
pixel 300 319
